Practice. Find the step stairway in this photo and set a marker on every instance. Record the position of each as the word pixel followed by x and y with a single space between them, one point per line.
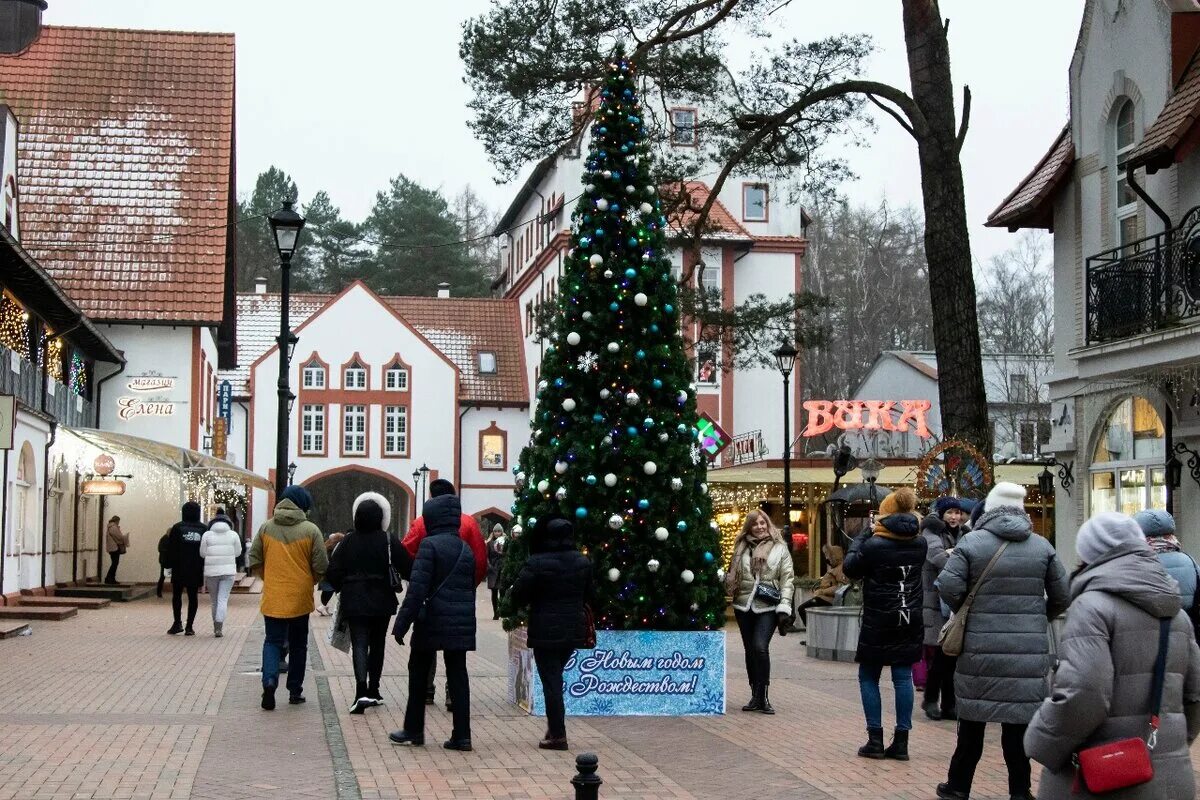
pixel 12 627
pixel 248 585
pixel 119 593
pixel 89 603
pixel 51 613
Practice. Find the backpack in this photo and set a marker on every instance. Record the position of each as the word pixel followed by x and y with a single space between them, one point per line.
pixel 162 549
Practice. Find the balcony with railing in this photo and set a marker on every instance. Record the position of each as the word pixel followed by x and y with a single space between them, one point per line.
pixel 1152 284
pixel 68 403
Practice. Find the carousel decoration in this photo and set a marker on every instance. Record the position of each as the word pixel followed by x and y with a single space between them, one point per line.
pixel 953 467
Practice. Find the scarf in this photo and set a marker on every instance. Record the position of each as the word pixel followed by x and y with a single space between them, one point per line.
pixel 1164 544
pixel 761 549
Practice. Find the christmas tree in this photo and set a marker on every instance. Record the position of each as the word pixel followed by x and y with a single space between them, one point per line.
pixel 614 445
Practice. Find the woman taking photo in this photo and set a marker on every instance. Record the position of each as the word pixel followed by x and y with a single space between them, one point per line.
pixel 359 570
pixel 760 583
pixel 555 583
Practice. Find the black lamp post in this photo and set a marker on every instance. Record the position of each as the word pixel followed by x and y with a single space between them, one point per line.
pixel 785 357
pixel 291 473
pixel 424 484
pixel 286 225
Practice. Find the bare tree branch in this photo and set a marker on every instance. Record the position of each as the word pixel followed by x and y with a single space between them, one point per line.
pixel 893 114
pixel 966 117
pixel 665 36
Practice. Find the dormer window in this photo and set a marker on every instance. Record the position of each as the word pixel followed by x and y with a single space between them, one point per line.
pixel 314 375
pixel 487 363
pixel 755 202
pixel 354 376
pixel 395 378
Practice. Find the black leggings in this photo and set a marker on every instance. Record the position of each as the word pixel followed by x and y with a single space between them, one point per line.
pixel 368 637
pixel 940 680
pixel 970 749
pixel 757 630
pixel 193 593
pixel 458 688
pixel 550 661
pixel 812 602
pixel 496 602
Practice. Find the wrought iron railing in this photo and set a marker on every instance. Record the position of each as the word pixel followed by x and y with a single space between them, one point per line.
pixel 1145 286
pixel 26 384
pixel 747 448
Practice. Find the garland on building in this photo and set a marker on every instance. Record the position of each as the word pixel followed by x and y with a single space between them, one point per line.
pixel 614 446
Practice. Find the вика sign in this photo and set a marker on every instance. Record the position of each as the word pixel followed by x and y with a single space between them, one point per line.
pixel 867 415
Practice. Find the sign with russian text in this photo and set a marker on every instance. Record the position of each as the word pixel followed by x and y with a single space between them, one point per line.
pixel 225 404
pixel 867 415
pixel 631 673
pixel 149 397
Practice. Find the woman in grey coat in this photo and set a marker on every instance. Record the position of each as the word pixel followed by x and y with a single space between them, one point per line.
pixel 1001 673
pixel 1106 660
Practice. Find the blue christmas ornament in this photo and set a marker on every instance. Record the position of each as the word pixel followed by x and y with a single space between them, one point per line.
pixel 581 513
pixel 631 273
pixel 681 526
pixel 597 417
pixel 668 309
pixel 590 480
pixel 633 241
pixel 559 382
pixel 643 504
pixel 654 329
pixel 640 354
pixel 656 383
pixel 554 441
pixel 613 306
pixel 708 558
pixel 632 431
pixel 628 93
pixel 681 428
pixel 602 129
pixel 599 231
pixel 584 241
pixel 648 422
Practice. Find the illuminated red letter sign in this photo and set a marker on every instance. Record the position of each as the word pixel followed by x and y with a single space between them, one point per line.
pixel 847 415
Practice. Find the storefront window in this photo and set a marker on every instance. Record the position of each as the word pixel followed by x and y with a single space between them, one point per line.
pixel 1104 492
pixel 1127 470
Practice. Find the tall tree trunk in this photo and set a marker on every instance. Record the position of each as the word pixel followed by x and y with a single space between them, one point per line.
pixel 947 239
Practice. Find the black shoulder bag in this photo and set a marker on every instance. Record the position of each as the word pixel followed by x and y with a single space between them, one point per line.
pixel 423 614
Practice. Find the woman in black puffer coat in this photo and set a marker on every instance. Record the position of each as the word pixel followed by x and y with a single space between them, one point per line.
pixel 555 583
pixel 889 561
pixel 440 608
pixel 358 571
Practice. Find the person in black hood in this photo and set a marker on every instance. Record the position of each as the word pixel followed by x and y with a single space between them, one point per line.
pixel 942 529
pixel 556 583
pixel 440 609
pixel 186 565
pixel 889 560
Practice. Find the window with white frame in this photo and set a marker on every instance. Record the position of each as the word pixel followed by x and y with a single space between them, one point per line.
pixel 395 379
pixel 1128 470
pixel 395 430
pixel 354 430
pixel 754 202
pixel 314 376
pixel 354 377
pixel 1126 200
pixel 710 275
pixel 487 363
pixel 683 127
pixel 312 431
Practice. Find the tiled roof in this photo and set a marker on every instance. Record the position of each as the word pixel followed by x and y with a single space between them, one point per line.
pixel 460 327
pixel 1179 115
pixel 720 224
pixel 126 153
pixel 1029 205
pixel 914 361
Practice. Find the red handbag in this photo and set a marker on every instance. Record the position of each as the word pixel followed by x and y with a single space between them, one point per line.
pixel 1124 763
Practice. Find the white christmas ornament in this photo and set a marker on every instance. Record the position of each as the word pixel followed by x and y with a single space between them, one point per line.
pixel 561 494
pixel 632 399
pixel 520 477
pixel 516 531
pixel 543 486
pixel 591 187
pixel 630 189
pixel 568 404
pixel 542 386
pixel 560 467
pixel 681 397
pixel 608 273
pixel 572 338
pixel 714 525
pixel 596 259
pixel 613 347
pixel 602 204
pixel 616 521
pixel 652 565
pixel 661 534
pixel 586 315
pixel 614 574
pixel 676 484
pixel 610 480
pixel 695 606
pixel 662 437
pixel 605 394
pixel 647 208
pixel 704 488
pixel 640 299
pixel 649 468
pixel 720 574
pixel 687 576
pixel 607 173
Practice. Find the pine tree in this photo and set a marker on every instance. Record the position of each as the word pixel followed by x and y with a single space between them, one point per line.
pixel 614 447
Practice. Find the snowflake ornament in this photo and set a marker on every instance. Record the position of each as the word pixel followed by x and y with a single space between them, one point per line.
pixel 695 455
pixel 587 362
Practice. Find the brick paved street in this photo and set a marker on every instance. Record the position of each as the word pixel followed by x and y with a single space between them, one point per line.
pixel 105 705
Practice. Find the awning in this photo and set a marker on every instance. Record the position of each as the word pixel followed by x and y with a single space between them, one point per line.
pixel 1024 474
pixel 172 456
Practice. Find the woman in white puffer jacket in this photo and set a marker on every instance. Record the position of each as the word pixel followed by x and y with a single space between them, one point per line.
pixel 220 548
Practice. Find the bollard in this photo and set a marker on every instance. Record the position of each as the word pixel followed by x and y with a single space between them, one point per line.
pixel 586 781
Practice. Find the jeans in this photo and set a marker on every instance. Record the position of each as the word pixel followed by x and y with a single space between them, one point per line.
pixel 368 637
pixel 812 602
pixel 941 679
pixel 872 700
pixel 458 688
pixel 219 587
pixel 193 593
pixel 550 661
pixel 115 558
pixel 291 633
pixel 970 749
pixel 757 630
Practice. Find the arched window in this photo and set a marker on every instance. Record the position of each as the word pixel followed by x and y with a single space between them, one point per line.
pixel 1126 203
pixel 354 376
pixel 1128 471
pixel 314 375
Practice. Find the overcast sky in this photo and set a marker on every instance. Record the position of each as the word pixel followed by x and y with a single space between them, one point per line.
pixel 344 96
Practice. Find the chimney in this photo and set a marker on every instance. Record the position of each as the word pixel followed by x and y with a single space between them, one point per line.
pixel 20 24
pixel 443 289
pixel 260 285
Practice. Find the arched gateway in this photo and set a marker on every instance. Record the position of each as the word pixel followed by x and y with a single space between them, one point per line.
pixel 333 496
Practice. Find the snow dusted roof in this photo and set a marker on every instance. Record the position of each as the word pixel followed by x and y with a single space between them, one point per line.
pixel 126 164
pixel 460 327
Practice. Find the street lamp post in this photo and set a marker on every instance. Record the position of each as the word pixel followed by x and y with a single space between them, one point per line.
pixel 785 357
pixel 286 225
pixel 870 472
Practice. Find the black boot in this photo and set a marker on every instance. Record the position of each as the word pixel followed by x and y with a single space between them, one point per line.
pixel 756 702
pixel 898 749
pixel 931 710
pixel 874 746
pixel 766 702
pixel 945 792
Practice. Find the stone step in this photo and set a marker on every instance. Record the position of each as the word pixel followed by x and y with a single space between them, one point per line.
pixel 12 627
pixel 53 613
pixel 120 593
pixel 248 585
pixel 89 603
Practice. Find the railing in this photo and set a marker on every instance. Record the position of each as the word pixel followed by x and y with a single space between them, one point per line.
pixel 747 448
pixel 68 408
pixel 1144 286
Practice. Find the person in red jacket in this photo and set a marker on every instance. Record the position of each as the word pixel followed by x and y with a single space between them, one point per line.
pixel 468 531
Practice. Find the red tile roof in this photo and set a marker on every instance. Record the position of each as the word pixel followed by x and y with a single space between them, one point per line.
pixel 720 224
pixel 1178 117
pixel 1031 204
pixel 460 327
pixel 126 153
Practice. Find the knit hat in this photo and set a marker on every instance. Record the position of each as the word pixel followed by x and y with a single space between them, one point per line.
pixel 439 487
pixel 944 504
pixel 1155 522
pixel 191 511
pixel 1104 532
pixel 375 511
pixel 497 527
pixel 299 496
pixel 901 501
pixel 1005 495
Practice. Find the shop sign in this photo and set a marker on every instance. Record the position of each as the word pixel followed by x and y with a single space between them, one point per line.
pixel 225 404
pixel 104 464
pixel 8 420
pixel 867 415
pixel 220 439
pixel 631 673
pixel 132 407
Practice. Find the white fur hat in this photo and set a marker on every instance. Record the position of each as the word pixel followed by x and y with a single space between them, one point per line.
pixel 1005 495
pixel 378 499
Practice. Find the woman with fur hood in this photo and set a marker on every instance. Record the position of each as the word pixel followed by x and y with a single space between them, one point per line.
pixel 888 558
pixel 358 570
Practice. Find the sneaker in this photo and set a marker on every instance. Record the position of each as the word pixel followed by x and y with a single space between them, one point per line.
pixel 218 629
pixel 404 737
pixel 361 705
pixel 176 628
pixel 268 698
pixel 944 792
pixel 376 696
pixel 189 632
pixel 296 699
pixel 550 743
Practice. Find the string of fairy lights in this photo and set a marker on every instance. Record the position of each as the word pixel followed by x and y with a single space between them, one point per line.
pixel 15 336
